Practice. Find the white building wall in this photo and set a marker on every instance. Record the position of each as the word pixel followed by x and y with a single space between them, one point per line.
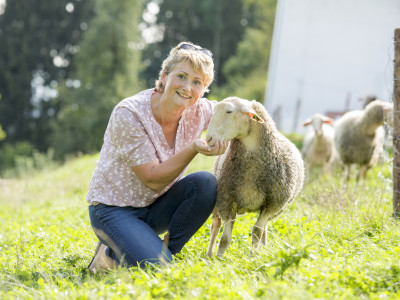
pixel 323 50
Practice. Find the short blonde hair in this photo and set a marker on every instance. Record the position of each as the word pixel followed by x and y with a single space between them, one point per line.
pixel 200 58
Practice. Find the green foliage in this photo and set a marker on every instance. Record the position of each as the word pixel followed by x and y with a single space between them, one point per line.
pixel 22 159
pixel 9 152
pixel 88 55
pixel 38 41
pixel 290 256
pixel 296 139
pixel 216 25
pixel 330 243
pixel 3 135
pixel 250 54
pixel 246 71
pixel 106 72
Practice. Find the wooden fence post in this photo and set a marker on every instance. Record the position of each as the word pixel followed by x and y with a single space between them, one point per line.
pixel 396 129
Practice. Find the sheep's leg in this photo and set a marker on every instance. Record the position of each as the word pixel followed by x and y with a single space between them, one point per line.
pixel 362 173
pixel 308 169
pixel 264 235
pixel 359 173
pixel 322 169
pixel 225 238
pixel 348 170
pixel 365 173
pixel 259 229
pixel 216 225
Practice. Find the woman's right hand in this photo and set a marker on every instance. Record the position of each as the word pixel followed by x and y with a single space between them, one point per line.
pixel 157 176
pixel 201 146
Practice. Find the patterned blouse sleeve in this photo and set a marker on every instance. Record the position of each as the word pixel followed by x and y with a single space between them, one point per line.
pixel 130 138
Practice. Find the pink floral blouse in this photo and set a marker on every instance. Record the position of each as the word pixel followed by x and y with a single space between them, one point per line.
pixel 133 137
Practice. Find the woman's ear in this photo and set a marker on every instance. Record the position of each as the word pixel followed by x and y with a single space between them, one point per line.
pixel 163 78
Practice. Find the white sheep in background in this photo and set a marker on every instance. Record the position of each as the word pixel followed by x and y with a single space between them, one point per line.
pixel 318 148
pixel 261 171
pixel 359 136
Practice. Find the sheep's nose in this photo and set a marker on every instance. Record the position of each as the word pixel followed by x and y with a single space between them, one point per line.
pixel 210 141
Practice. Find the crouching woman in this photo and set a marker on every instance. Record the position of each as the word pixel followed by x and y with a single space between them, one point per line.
pixel 138 190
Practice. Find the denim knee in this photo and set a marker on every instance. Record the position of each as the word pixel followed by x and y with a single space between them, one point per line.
pixel 206 187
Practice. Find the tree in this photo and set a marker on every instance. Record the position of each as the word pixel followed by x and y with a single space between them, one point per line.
pixel 2 133
pixel 38 41
pixel 216 25
pixel 107 67
pixel 246 71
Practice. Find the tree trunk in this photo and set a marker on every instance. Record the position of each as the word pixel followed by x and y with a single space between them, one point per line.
pixel 396 131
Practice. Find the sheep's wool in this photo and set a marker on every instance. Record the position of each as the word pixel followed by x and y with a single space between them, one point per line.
pixel 133 137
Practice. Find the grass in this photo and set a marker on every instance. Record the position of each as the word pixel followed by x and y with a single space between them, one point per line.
pixel 331 243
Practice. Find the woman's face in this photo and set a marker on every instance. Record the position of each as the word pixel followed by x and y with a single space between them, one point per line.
pixel 183 85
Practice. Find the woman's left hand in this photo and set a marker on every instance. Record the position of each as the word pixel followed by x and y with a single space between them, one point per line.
pixel 202 147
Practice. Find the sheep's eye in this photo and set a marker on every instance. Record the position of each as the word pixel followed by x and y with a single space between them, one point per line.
pixel 228 111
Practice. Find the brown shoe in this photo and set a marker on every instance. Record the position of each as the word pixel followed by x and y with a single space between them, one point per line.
pixel 101 262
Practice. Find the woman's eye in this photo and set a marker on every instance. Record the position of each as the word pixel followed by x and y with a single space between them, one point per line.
pixel 197 82
pixel 181 76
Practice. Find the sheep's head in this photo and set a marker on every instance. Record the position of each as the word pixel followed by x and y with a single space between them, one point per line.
pixel 380 111
pixel 231 120
pixel 317 121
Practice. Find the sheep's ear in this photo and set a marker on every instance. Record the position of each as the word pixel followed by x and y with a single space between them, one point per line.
pixel 255 117
pixel 328 120
pixel 251 113
pixel 307 122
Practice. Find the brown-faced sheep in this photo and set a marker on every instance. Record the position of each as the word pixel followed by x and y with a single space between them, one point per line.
pixel 318 148
pixel 261 171
pixel 359 136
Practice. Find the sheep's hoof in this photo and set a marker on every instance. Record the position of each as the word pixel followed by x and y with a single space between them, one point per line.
pixel 220 254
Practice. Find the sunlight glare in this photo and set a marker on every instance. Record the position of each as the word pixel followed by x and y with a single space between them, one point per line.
pixel 3 5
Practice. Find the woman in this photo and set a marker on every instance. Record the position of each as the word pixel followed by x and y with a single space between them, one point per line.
pixel 138 190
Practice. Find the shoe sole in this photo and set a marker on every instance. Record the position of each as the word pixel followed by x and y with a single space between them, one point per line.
pixel 94 255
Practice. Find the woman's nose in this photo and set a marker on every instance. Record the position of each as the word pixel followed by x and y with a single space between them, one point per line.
pixel 186 86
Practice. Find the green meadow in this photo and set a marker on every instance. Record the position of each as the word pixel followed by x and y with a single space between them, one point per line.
pixel 332 242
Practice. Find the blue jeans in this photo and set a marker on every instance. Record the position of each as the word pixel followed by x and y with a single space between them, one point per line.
pixel 132 234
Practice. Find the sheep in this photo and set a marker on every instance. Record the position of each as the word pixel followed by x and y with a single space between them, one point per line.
pixel 318 148
pixel 359 137
pixel 261 170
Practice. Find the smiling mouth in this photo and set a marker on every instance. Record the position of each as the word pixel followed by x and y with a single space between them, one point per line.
pixel 183 95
